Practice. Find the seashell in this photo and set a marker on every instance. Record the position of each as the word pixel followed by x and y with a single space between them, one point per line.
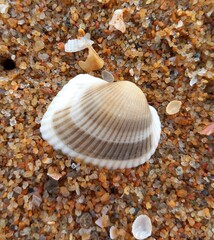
pixel 116 233
pixel 113 232
pixel 142 227
pixel 93 61
pixel 106 124
pixel 173 107
pixel 76 45
pixel 117 21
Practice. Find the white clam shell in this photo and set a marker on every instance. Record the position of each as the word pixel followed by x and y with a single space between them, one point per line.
pixel 106 124
pixel 142 227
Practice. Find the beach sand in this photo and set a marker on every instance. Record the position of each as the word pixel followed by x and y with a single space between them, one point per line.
pixel 166 48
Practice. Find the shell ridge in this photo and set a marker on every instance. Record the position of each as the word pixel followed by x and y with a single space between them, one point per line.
pixel 71 88
pixel 85 107
pixel 128 137
pixel 156 128
pixel 60 121
pixel 87 126
pixel 80 139
pixel 113 123
pixel 94 117
pixel 91 142
pixel 108 149
pixel 94 130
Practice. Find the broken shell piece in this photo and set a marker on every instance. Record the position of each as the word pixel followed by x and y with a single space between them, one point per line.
pixel 76 45
pixel 93 61
pixel 106 124
pixel 107 76
pixel 117 21
pixel 142 227
pixel 116 233
pixel 113 232
pixel 173 107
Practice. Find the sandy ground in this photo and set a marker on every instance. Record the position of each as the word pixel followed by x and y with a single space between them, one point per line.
pixel 166 48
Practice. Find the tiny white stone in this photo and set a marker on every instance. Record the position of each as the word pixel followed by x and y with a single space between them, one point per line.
pixel 142 227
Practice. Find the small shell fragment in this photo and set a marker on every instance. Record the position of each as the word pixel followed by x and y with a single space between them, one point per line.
pixel 113 232
pixel 117 21
pixel 142 227
pixel 76 45
pixel 93 61
pixel 173 107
